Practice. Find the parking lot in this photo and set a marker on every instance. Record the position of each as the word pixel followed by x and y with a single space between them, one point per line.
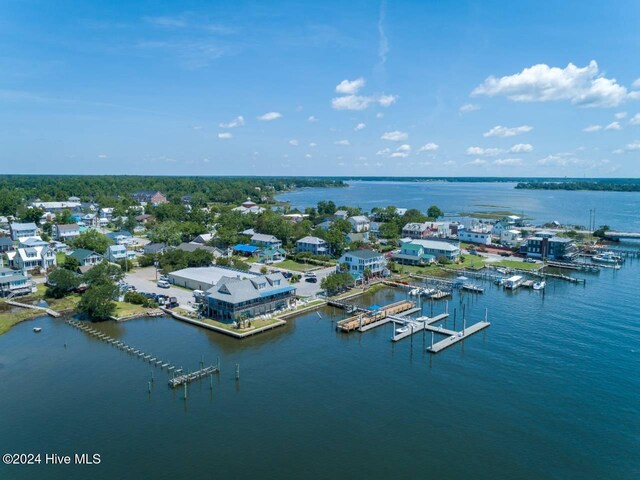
pixel 144 279
pixel 304 289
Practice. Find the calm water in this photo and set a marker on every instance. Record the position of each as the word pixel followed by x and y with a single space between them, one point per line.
pixel 616 209
pixel 550 390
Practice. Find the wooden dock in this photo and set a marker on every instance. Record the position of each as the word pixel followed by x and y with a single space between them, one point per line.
pixel 192 376
pixel 46 310
pixel 415 326
pixel 457 337
pixel 368 317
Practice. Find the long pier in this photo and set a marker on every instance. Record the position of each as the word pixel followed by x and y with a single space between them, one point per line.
pixel 457 337
pixel 48 311
pixel 417 325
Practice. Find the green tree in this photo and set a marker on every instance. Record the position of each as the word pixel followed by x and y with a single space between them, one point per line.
pixel 60 282
pixel 337 282
pixel 434 212
pixel 71 264
pixel 65 217
pixel 32 215
pixel 104 273
pixel 389 230
pixel 97 302
pixel 92 240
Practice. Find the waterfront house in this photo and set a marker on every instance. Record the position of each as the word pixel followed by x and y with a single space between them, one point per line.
pixel 149 196
pixel 236 298
pixel 412 255
pixel 204 278
pixel 65 233
pixel 314 245
pixel 475 236
pixel 13 282
pixel 32 258
pixel 19 230
pixel 266 241
pixel 117 253
pixel 358 261
pixel 6 244
pixel 86 258
pixel 545 245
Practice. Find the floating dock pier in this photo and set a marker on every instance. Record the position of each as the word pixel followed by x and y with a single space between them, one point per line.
pixel 455 337
pixel 368 317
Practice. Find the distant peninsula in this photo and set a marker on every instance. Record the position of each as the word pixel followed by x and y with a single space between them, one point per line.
pixel 626 185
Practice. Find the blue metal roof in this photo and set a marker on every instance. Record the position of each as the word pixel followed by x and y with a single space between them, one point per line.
pixel 246 248
pixel 279 290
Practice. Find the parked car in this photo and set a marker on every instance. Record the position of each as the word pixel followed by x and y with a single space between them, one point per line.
pixel 163 284
pixel 164 277
pixel 529 260
pixel 504 254
pixel 310 274
pixel 287 274
pixel 311 279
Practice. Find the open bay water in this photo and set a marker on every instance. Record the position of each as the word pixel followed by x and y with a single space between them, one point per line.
pixel 549 391
pixel 619 210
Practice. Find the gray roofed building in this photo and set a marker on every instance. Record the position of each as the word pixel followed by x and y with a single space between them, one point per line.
pixel 155 248
pixel 23 230
pixel 262 240
pixel 234 298
pixel 205 278
pixel 6 244
pixel 192 247
pixel 314 245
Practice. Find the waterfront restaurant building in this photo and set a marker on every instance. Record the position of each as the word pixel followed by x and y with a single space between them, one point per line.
pixel 235 298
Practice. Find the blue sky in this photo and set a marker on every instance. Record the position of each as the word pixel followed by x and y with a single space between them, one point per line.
pixel 413 88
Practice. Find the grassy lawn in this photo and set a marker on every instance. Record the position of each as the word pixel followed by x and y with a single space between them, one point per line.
pixel 124 309
pixel 473 262
pixel 60 258
pixel 255 323
pixel 11 316
pixel 295 266
pixel 518 265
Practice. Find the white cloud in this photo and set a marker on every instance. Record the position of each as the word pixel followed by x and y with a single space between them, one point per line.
pixel 379 115
pixel 387 100
pixel 507 161
pixel 618 151
pixel 308 155
pixel 613 126
pixel 384 152
pixel 360 102
pixel 360 126
pixel 633 146
pixel 483 152
pixel 477 162
pixel 236 122
pixel 404 148
pixel 269 116
pixel 429 147
pixel 102 155
pixel 349 87
pixel 635 120
pixel 343 142
pixel 197 127
pixel 521 148
pixel 592 128
pixel 351 102
pixel 312 119
pixel 399 155
pixel 395 136
pixel 313 144
pixel 500 131
pixel 293 142
pixel 469 107
pixel 224 136
pixel 541 83
pixel 636 83
pixel 620 115
pixel 559 159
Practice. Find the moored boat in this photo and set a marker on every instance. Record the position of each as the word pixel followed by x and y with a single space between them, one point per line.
pixel 539 285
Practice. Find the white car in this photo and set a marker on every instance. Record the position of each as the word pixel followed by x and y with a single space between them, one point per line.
pixel 163 284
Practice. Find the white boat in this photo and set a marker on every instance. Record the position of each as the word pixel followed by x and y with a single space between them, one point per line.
pixel 539 285
pixel 427 291
pixel 414 292
pixel 607 257
pixel 37 329
pixel 470 287
pixel 402 329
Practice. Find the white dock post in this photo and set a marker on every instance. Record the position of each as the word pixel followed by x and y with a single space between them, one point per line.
pixel 464 325
pixel 486 314
pixel 432 340
pixel 446 307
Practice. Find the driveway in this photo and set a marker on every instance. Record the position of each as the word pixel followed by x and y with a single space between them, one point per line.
pixel 144 279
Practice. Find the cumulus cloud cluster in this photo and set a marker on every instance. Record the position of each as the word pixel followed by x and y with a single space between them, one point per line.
pixel 500 131
pixel 350 100
pixel 584 86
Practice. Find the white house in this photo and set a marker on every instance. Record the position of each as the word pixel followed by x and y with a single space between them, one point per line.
pixel 511 237
pixel 32 258
pixel 475 236
pixel 416 230
pixel 416 251
pixel 360 260
pixel 249 206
